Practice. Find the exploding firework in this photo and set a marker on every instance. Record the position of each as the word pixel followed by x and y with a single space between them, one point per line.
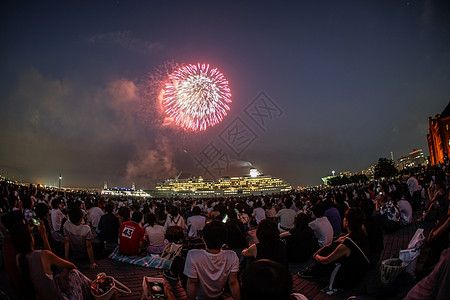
pixel 196 97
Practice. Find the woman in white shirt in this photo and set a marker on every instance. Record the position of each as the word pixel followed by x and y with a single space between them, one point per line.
pixel 155 235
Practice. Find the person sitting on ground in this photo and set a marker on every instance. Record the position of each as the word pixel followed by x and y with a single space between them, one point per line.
pixel 94 214
pixel 339 202
pixel 333 216
pixel 406 211
pixel 437 204
pixel 12 220
pixel 349 251
pixel 436 285
pixel 155 235
pixel 27 208
pixel 78 238
pixel 132 236
pixel 243 216
pixel 301 242
pixel 236 234
pixel 175 225
pixel 321 226
pixel 108 226
pixel 42 214
pixel 373 230
pixel 271 212
pixel 35 267
pixel 258 212
pixel 387 212
pixel 124 214
pixel 195 223
pixel 286 217
pixel 269 280
pixel 57 216
pixel 270 246
pixel 208 270
pixel 437 241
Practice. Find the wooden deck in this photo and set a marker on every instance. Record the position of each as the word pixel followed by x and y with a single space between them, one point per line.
pixel 132 275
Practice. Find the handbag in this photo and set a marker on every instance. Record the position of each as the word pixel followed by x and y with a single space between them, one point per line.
pixel 103 287
pixel 171 251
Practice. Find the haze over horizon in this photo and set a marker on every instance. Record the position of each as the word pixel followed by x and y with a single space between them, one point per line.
pixel 316 86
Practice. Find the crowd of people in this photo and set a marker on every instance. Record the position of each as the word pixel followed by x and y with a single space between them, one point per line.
pixel 236 239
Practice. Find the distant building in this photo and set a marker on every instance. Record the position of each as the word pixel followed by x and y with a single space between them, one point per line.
pixel 439 137
pixel 326 180
pixel 253 184
pixel 414 159
pixel 369 172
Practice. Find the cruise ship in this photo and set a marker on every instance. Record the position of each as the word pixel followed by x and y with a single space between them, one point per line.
pixel 253 184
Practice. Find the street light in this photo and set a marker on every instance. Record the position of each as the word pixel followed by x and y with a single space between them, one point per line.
pixel 60 177
pixel 333 172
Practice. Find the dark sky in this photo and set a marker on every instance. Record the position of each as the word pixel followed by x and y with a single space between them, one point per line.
pixel 337 84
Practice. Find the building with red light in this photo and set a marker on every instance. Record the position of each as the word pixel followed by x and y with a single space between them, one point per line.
pixel 439 137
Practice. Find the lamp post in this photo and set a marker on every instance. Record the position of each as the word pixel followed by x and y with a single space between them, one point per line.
pixel 333 172
pixel 60 177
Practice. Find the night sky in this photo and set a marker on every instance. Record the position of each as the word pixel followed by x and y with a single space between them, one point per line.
pixel 316 86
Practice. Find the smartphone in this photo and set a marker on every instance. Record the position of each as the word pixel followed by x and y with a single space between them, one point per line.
pixel 156 288
pixel 34 222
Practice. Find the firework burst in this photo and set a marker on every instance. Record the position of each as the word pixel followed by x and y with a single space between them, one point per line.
pixel 196 97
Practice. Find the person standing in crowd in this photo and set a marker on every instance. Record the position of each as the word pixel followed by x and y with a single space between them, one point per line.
pixel 210 269
pixel 132 236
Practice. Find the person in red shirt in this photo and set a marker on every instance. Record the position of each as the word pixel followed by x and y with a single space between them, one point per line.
pixel 132 236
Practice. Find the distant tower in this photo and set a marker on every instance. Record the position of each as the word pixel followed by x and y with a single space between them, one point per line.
pixel 105 185
pixel 392 156
pixel 133 186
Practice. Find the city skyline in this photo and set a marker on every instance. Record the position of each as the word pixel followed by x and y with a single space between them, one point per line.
pixel 316 86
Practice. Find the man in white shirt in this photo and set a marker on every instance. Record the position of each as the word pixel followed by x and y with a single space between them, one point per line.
pixel 208 270
pixel 195 223
pixel 57 215
pixel 406 212
pixel 287 217
pixel 94 214
pixel 413 184
pixel 321 226
pixel 414 190
pixel 258 212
